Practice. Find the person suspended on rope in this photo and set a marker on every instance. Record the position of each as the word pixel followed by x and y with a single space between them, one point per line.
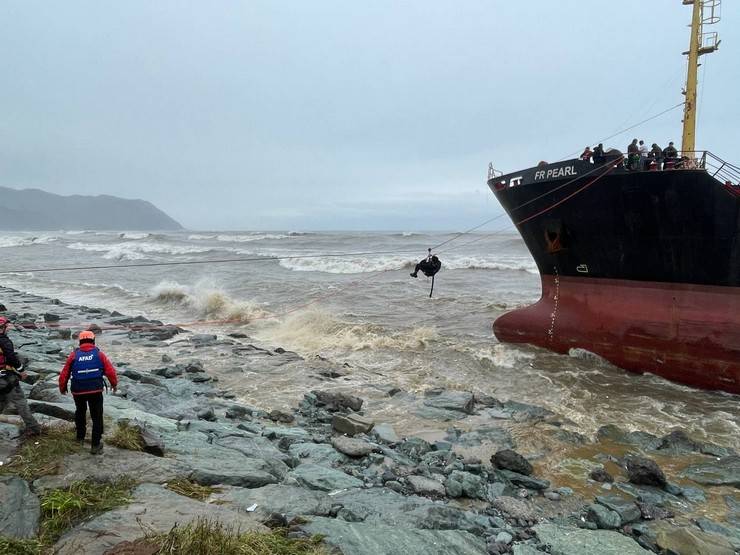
pixel 429 266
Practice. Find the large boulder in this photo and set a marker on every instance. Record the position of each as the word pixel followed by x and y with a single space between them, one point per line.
pixel 19 509
pixel 511 460
pixel 644 471
pixel 154 509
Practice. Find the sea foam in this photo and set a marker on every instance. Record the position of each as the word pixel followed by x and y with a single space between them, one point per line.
pixel 207 302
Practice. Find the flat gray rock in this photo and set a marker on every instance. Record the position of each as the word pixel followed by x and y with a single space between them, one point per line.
pixel 384 506
pixel 8 440
pixel 384 432
pixel 322 454
pixel 352 447
pixel 317 477
pixel 277 498
pixel 113 463
pixel 577 541
pixel 461 401
pixel 358 538
pixel 725 472
pixel 19 508
pixel 156 508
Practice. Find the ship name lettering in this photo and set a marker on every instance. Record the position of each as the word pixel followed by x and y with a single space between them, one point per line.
pixel 552 173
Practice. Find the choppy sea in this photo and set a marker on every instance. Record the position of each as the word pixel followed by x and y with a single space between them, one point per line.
pixel 364 310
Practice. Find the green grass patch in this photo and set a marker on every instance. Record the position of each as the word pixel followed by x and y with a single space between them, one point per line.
pixel 185 487
pixel 207 537
pixel 126 437
pixel 61 509
pixel 12 546
pixel 41 455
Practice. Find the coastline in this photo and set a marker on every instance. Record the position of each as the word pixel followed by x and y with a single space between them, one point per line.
pixel 373 492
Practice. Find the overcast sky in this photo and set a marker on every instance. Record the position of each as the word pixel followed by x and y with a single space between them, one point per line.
pixel 341 114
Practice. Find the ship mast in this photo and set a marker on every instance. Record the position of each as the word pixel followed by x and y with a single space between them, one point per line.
pixel 705 12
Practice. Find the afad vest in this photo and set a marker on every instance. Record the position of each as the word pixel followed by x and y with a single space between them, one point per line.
pixel 87 371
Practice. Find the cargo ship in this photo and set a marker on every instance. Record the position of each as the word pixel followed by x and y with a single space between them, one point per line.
pixel 639 259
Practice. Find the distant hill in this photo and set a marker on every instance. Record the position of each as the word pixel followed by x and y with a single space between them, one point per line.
pixel 33 209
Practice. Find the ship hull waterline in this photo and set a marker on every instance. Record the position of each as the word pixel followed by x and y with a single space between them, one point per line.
pixel 683 332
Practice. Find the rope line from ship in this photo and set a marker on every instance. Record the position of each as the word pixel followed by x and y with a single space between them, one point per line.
pixel 142 327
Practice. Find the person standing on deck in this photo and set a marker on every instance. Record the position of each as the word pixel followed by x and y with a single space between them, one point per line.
pixel 86 366
pixel 11 371
pixel 643 154
pixel 633 155
pixel 670 155
pixel 598 154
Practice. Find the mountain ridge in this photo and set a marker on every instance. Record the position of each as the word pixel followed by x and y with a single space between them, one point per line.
pixel 38 210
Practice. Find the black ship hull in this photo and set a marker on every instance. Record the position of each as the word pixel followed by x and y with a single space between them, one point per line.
pixel 641 267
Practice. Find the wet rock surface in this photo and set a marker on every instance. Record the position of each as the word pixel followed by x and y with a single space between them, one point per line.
pixel 19 508
pixel 466 488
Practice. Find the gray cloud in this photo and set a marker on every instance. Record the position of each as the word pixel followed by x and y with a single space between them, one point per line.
pixel 367 115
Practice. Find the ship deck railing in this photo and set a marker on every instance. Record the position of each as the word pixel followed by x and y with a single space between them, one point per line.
pixel 690 160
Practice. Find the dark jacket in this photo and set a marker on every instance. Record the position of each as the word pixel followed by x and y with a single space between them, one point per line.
pixel 670 152
pixel 11 358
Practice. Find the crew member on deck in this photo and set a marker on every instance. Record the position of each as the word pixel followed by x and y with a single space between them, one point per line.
pixel 657 153
pixel 586 154
pixel 599 157
pixel 633 155
pixel 670 155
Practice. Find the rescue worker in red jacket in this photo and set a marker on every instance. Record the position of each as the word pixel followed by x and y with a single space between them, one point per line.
pixel 86 366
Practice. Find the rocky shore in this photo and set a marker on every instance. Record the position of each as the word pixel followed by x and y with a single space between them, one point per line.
pixel 327 467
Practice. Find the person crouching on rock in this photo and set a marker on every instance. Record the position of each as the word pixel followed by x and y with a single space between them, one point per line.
pixel 87 366
pixel 11 374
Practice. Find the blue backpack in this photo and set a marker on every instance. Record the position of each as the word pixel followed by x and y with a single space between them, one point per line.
pixel 87 371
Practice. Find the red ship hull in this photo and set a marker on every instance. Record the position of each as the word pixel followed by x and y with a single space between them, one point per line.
pixel 685 333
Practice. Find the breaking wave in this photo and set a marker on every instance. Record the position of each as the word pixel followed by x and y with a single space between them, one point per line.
pixel 207 302
pixel 136 251
pixel 356 265
pixel 134 236
pixel 238 238
pixel 25 241
pixel 316 331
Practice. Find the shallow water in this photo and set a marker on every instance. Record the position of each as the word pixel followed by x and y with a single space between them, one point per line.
pixel 366 311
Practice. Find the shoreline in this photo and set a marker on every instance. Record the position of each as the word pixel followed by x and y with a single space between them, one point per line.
pixel 370 490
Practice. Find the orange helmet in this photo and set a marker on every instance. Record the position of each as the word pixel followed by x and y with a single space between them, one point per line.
pixel 87 335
